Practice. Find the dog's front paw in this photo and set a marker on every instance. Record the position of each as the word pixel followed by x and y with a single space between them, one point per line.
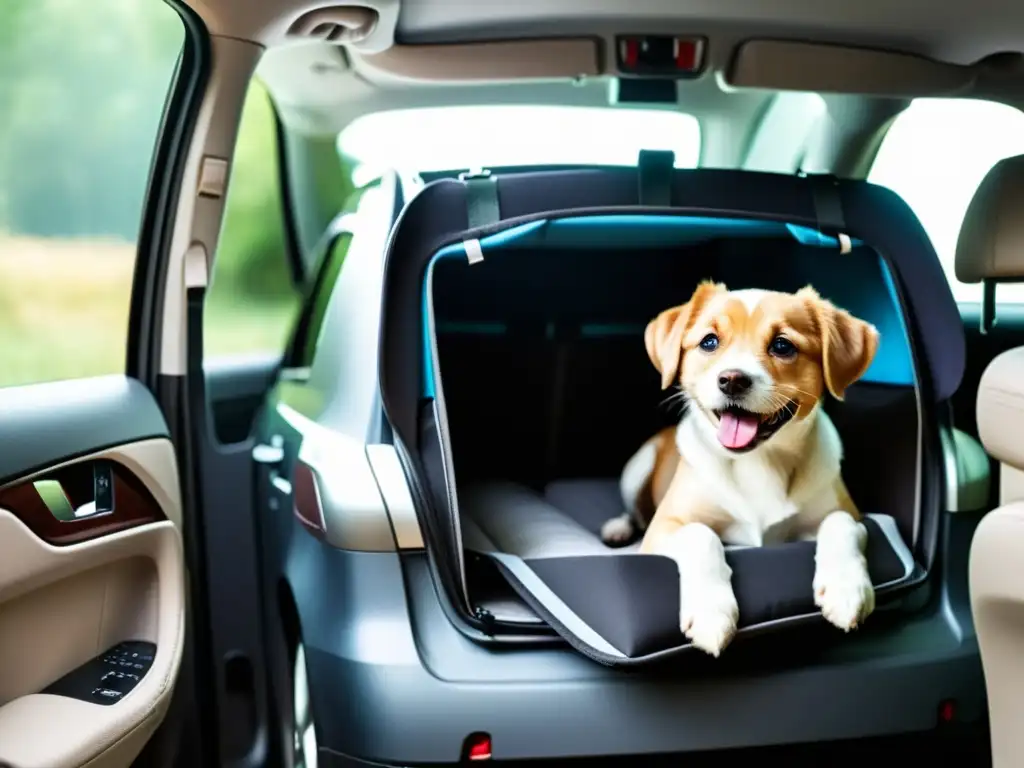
pixel 844 594
pixel 617 531
pixel 708 617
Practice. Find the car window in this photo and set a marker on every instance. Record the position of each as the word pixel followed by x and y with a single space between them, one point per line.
pixel 315 310
pixel 447 138
pixel 79 119
pixel 935 155
pixel 253 298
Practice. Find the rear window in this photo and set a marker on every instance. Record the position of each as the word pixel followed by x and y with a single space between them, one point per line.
pixel 935 155
pixel 446 138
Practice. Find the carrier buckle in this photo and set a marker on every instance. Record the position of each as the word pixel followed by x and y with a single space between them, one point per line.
pixel 474 173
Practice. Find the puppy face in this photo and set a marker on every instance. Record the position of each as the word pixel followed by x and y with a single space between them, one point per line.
pixel 751 361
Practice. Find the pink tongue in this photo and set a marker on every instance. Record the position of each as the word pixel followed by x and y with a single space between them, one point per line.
pixel 737 432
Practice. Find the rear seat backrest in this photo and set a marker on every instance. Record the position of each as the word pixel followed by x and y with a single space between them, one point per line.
pixel 991 248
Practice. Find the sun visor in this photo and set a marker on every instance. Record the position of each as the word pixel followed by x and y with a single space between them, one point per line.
pixel 797 66
pixel 492 61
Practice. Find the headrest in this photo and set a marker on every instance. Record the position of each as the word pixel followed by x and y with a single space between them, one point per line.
pixel 991 241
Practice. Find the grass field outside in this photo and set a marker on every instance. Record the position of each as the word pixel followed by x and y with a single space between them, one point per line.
pixel 64 311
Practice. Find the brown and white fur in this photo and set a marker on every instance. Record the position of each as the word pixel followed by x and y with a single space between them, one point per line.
pixel 693 493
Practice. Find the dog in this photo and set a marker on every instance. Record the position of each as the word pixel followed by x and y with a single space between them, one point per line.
pixel 755 460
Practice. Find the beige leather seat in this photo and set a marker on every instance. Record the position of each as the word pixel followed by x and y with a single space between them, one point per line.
pixel 991 247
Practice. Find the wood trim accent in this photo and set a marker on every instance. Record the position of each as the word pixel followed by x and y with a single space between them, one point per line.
pixel 134 505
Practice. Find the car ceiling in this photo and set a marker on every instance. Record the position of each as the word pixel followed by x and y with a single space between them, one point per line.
pixel 956 48
pixel 957 32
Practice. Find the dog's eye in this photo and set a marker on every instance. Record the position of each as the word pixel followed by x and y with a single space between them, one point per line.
pixel 709 343
pixel 782 347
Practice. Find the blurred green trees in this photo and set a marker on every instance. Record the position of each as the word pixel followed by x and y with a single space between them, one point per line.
pixel 91 79
pixel 82 92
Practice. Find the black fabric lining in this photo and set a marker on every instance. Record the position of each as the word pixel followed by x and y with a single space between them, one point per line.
pixel 632 601
pixel 570 405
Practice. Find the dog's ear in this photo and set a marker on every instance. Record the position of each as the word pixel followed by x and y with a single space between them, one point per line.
pixel 664 334
pixel 848 344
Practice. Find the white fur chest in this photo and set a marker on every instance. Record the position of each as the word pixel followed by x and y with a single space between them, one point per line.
pixel 754 488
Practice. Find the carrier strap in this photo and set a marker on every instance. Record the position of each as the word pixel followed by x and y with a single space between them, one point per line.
pixel 655 177
pixel 828 208
pixel 482 206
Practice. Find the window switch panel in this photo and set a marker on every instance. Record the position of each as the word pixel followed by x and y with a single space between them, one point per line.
pixel 109 677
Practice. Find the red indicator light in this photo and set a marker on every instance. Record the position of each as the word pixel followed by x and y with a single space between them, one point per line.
pixel 478 747
pixel 686 54
pixel 631 53
pixel 947 711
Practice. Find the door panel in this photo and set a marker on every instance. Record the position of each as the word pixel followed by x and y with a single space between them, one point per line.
pixel 45 424
pixel 83 570
pixel 236 387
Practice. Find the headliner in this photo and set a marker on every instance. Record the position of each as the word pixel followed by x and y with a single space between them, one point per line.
pixel 958 32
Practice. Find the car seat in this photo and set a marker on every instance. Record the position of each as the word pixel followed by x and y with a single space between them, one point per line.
pixel 991 250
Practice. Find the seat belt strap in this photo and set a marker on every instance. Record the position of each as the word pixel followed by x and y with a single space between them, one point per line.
pixel 482 205
pixel 828 208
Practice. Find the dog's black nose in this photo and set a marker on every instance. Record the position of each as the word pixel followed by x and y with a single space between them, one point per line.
pixel 734 382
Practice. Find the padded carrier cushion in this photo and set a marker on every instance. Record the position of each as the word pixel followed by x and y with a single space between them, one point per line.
pixel 549 548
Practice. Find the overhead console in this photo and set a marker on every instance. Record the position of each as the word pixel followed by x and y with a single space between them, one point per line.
pixel 662 56
pixel 649 67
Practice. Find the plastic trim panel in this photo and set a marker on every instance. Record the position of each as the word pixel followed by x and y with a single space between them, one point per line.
pixel 388 647
pixel 66 419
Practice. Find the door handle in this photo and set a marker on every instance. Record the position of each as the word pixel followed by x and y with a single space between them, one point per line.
pixel 270 454
pixel 58 503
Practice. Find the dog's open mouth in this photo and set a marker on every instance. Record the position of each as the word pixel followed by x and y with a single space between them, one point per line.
pixel 741 430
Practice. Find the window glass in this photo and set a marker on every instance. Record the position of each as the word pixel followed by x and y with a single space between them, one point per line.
pixel 82 93
pixel 935 155
pixel 785 132
pixel 252 299
pixel 320 185
pixel 315 310
pixel 447 138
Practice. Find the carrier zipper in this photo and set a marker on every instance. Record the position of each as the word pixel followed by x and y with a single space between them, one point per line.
pixel 476 623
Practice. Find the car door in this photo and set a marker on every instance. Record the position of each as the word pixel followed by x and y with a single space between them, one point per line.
pixel 93 608
pixel 92 580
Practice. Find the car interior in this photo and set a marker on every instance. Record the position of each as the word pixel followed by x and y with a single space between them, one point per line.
pixel 377 542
